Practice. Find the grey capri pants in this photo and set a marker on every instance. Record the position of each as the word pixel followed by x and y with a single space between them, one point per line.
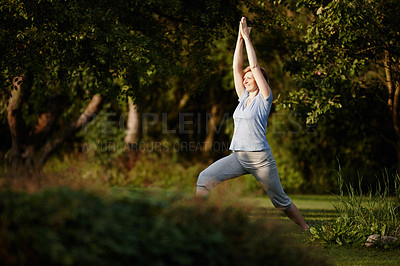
pixel 260 164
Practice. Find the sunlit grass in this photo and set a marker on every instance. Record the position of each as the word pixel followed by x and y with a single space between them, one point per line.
pixel 318 209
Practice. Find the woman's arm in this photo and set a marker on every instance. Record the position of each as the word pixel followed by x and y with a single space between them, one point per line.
pixel 238 65
pixel 251 55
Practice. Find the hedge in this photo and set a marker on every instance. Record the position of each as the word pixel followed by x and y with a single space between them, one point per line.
pixel 68 227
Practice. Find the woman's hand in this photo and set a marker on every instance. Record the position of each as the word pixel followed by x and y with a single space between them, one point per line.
pixel 244 30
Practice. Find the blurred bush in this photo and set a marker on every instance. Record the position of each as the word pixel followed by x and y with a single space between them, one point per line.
pixel 162 171
pixel 68 227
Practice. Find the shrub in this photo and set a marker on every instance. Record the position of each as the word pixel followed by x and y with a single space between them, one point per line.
pixel 361 215
pixel 161 171
pixel 67 227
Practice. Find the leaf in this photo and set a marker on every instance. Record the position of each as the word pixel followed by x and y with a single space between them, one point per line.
pixel 319 11
pixel 383 230
pixel 313 231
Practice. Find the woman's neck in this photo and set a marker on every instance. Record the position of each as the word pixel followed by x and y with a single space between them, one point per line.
pixel 251 97
pixel 253 94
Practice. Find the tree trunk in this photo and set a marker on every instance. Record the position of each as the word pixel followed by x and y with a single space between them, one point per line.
pixel 16 124
pixel 389 80
pixel 393 86
pixel 131 137
pixel 132 124
pixel 213 125
pixel 396 120
pixel 27 156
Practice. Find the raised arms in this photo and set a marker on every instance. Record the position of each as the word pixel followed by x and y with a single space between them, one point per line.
pixel 262 84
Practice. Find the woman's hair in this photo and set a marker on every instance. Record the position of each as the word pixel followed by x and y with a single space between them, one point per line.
pixel 248 69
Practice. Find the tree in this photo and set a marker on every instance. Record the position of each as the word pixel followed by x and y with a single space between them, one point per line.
pixel 64 54
pixel 348 50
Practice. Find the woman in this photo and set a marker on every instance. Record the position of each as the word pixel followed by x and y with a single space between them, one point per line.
pixel 251 151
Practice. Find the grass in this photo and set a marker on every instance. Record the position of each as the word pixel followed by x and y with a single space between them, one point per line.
pixel 318 209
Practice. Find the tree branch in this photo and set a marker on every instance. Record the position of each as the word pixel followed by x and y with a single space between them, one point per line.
pixel 47 118
pixel 90 112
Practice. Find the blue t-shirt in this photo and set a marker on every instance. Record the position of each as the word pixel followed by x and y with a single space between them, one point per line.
pixel 251 123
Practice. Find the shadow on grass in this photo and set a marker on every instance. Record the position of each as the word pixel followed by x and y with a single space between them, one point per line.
pixel 319 215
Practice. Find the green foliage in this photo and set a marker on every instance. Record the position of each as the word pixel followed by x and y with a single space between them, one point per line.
pixel 362 215
pixel 164 51
pixel 336 79
pixel 350 136
pixel 66 227
pixel 158 170
pixel 75 49
pixel 163 170
pixel 103 138
pixel 339 54
pixel 289 166
pixel 303 162
pixel 61 39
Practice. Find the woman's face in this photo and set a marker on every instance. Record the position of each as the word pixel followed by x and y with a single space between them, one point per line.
pixel 249 82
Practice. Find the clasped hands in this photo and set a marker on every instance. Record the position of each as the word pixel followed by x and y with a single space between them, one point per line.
pixel 244 30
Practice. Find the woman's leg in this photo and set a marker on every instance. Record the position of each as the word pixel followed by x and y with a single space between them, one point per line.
pixel 226 168
pixel 263 167
pixel 294 214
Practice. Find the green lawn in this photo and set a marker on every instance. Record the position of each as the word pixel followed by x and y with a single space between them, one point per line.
pixel 318 209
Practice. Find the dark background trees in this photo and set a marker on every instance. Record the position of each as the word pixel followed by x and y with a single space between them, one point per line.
pixel 346 66
pixel 333 67
pixel 56 54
